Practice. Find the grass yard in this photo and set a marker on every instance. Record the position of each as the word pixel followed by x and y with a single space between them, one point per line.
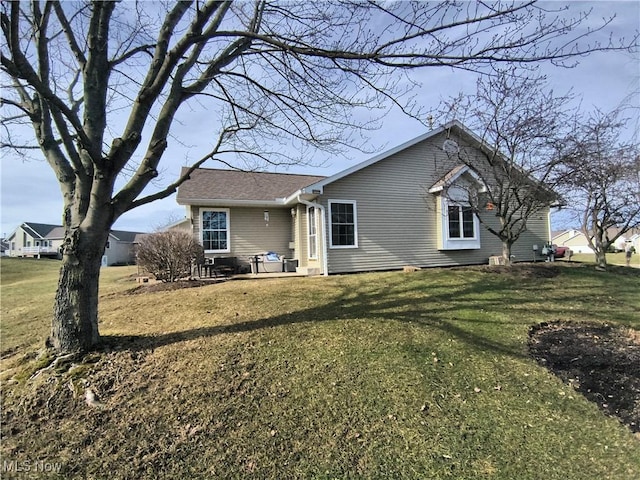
pixel 384 375
pixel 612 259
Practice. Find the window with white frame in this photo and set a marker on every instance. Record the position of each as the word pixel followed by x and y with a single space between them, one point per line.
pixel 214 231
pixel 344 226
pixel 460 226
pixel 313 233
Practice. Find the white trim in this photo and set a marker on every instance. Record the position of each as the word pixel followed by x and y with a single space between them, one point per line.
pixel 214 209
pixel 458 243
pixel 34 235
pixel 465 170
pixel 322 233
pixel 222 202
pixel 312 255
pixel 355 224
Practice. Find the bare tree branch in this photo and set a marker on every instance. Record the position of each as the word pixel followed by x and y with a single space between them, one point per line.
pixel 520 123
pixel 97 78
pixel 600 176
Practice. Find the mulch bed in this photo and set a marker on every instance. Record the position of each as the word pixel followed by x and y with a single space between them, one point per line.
pixel 601 361
pixel 169 286
pixel 524 270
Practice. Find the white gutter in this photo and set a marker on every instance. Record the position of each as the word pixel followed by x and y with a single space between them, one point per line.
pixel 325 263
pixel 216 202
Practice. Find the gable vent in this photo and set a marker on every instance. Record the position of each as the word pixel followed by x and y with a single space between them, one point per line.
pixel 450 146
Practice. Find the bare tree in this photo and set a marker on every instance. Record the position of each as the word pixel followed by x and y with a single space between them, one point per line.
pixel 519 122
pixel 600 173
pixel 169 255
pixel 103 84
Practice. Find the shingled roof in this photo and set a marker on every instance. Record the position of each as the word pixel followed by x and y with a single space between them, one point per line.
pixel 207 185
pixel 127 237
pixel 38 230
pixel 55 232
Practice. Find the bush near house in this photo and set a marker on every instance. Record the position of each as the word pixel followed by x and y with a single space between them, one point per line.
pixel 170 255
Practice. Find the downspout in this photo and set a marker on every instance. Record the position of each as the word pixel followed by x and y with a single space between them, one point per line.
pixel 325 262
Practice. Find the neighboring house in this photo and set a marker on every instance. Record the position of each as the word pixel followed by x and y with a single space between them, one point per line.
pixel 4 247
pixel 382 214
pixel 184 224
pixel 121 247
pixel 578 243
pixel 43 240
pixel 574 239
pixel 620 242
pixel 35 240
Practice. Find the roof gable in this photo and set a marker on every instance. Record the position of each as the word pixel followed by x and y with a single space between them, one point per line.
pixel 37 230
pixel 125 236
pixel 206 185
pixel 453 175
pixel 459 127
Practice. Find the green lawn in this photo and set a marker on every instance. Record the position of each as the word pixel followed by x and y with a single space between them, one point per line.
pixel 387 375
pixel 612 258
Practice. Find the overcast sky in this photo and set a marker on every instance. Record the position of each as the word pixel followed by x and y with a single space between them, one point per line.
pixel 30 192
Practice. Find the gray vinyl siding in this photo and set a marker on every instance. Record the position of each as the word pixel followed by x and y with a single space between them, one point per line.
pixel 250 234
pixel 119 253
pixel 537 233
pixel 302 241
pixel 396 215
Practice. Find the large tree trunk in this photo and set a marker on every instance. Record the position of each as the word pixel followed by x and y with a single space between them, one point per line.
pixel 506 253
pixel 75 316
pixel 599 247
pixel 601 258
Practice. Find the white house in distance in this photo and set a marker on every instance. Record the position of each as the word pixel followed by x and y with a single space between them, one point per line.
pixel 574 239
pixel 43 240
pixel 577 241
pixel 35 240
pixel 396 209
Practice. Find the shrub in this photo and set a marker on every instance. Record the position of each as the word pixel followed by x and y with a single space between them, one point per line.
pixel 169 255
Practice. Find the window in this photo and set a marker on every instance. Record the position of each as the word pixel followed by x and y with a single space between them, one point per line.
pixel 215 230
pixel 458 227
pixel 344 228
pixel 313 235
pixel 461 222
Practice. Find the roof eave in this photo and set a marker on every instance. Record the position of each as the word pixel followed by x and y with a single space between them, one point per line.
pixel 226 202
pixel 294 198
pixel 34 233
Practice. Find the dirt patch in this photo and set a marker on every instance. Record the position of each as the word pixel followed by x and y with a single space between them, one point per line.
pixel 169 286
pixel 601 361
pixel 524 270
